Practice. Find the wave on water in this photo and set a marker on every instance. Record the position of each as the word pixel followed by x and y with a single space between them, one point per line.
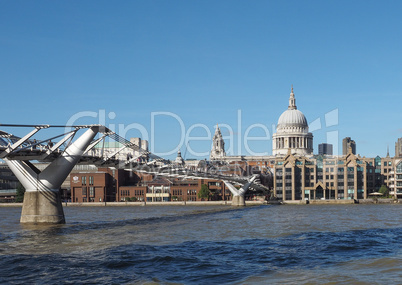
pixel 209 262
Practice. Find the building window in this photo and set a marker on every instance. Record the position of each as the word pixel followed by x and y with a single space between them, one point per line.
pixel 124 192
pixel 84 191
pixel 84 180
pixel 91 191
pixel 399 167
pixel 91 180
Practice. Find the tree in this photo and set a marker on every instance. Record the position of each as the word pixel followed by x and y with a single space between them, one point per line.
pixel 384 190
pixel 204 192
pixel 20 193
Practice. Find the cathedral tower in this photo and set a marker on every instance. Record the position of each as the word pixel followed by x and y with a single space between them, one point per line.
pixel 218 146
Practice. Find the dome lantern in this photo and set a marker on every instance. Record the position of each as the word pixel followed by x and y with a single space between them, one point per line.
pixel 292 101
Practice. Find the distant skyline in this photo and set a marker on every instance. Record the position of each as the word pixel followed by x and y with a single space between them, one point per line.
pixel 206 63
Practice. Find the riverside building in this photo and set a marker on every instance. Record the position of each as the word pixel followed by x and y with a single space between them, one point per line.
pixel 294 172
pixel 109 185
pixel 298 174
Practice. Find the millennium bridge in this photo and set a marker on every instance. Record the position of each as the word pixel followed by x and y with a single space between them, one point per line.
pixel 76 145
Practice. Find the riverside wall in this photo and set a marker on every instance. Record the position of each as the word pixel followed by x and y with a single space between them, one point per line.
pixel 218 203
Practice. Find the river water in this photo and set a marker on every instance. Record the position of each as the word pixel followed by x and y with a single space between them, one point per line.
pixel 292 244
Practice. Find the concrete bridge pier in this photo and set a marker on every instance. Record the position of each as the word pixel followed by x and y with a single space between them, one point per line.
pixel 42 201
pixel 42 207
pixel 238 194
pixel 238 201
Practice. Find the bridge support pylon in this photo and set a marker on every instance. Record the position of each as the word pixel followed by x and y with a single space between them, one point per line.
pixel 42 200
pixel 238 201
pixel 238 194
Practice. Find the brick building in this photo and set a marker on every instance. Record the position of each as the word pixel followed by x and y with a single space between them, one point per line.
pixel 98 186
pixel 107 185
pixel 162 189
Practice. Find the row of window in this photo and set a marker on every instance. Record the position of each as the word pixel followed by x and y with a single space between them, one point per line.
pixel 124 193
pixel 327 170
pixel 341 169
pixel 91 191
pixel 84 180
pixel 177 192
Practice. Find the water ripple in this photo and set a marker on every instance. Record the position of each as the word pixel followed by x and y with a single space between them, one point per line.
pixel 208 246
pixel 200 262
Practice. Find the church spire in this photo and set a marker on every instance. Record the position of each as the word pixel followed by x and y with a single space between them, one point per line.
pixel 292 100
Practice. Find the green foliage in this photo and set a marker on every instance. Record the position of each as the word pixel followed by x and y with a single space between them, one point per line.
pixel 204 192
pixel 384 190
pixel 20 193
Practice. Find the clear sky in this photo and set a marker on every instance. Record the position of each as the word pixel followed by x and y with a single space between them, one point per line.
pixel 206 62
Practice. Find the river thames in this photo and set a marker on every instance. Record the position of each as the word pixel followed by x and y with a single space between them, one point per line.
pixel 289 244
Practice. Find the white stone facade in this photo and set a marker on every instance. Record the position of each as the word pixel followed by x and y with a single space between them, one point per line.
pixel 292 132
pixel 218 146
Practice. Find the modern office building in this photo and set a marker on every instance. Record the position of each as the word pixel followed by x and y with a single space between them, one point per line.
pixel 325 149
pixel 398 148
pixel 343 177
pixel 348 143
pixel 395 178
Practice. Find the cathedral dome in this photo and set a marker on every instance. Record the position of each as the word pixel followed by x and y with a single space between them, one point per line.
pixel 292 118
pixel 292 132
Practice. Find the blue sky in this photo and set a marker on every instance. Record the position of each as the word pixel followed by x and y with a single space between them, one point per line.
pixel 205 62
